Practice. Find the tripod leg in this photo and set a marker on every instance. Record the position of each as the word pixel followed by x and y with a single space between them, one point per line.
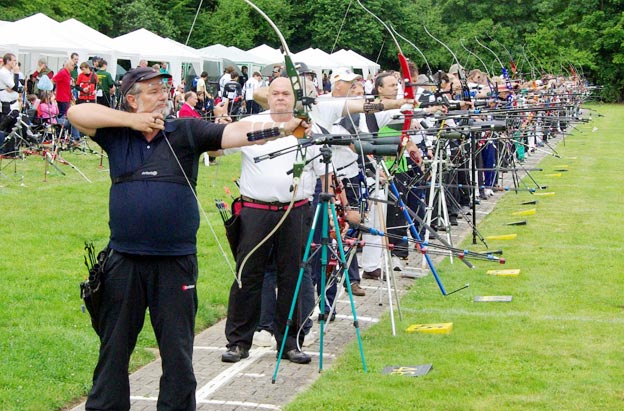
pixel 306 255
pixel 346 275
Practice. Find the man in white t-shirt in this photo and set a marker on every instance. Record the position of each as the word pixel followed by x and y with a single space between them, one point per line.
pixel 9 83
pixel 253 83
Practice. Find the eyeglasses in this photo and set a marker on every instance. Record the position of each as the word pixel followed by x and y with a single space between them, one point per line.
pixel 155 88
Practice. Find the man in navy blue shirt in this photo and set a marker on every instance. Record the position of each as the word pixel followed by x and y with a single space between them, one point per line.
pixel 154 219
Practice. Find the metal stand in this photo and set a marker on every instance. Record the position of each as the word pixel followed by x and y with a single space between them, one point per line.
pixel 323 208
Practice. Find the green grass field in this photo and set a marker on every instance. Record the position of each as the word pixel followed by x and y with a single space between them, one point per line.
pixel 556 346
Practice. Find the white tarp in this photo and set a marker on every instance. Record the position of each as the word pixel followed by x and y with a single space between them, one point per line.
pixel 150 46
pixel 89 35
pixel 268 53
pixel 40 36
pixel 350 58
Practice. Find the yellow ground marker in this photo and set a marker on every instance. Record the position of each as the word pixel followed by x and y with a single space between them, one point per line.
pixel 502 237
pixel 440 328
pixel 544 194
pixel 553 175
pixel 530 211
pixel 510 272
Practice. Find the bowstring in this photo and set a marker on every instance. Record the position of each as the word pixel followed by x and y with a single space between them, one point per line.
pixel 204 214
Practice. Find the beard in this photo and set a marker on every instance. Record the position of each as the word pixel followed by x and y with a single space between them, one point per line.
pixel 163 110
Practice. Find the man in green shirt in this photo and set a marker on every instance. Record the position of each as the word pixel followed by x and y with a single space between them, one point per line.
pixel 106 85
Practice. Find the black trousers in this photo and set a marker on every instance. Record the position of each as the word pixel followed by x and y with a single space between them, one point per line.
pixel 287 244
pixel 165 285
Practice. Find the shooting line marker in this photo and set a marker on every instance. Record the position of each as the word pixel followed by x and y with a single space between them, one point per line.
pixel 502 237
pixel 492 299
pixel 439 328
pixel 408 371
pixel 530 211
pixel 509 272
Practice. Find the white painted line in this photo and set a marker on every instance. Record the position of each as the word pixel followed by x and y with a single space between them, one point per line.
pixel 140 398
pixel 241 403
pixel 231 372
pixel 360 318
pixel 254 375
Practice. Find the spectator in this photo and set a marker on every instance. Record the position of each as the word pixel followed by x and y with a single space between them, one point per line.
pixel 253 83
pixel 106 85
pixel 42 70
pixel 86 83
pixel 188 108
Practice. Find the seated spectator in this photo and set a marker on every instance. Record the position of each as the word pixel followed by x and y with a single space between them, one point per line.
pixel 32 102
pixel 188 108
pixel 42 70
pixel 48 110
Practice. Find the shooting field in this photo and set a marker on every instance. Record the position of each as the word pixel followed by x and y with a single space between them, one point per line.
pixel 556 346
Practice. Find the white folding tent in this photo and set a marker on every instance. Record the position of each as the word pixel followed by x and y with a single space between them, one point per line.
pixel 149 46
pixel 268 53
pixel 40 36
pixel 317 60
pixel 89 35
pixel 350 58
pixel 236 55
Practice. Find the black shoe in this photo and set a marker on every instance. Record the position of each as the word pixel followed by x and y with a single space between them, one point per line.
pixel 372 275
pixel 234 354
pixel 453 220
pixel 296 356
pixel 331 318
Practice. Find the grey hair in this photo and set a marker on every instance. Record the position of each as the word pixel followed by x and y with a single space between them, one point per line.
pixel 135 90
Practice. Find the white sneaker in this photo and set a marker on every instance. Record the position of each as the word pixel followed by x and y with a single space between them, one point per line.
pixel 263 338
pixel 309 339
pixel 489 192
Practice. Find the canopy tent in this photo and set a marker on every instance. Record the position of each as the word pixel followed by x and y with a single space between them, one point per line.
pixel 90 35
pixel 149 46
pixel 39 35
pixel 267 53
pixel 317 60
pixel 238 56
pixel 350 58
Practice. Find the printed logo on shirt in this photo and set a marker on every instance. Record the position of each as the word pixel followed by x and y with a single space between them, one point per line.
pixel 149 173
pixel 188 287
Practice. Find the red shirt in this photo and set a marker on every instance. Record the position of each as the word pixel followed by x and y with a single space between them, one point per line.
pixel 87 82
pixel 63 80
pixel 187 111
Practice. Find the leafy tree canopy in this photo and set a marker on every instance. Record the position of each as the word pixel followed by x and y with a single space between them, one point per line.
pixel 555 36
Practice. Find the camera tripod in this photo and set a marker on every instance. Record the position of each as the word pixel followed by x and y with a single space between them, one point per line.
pixel 324 207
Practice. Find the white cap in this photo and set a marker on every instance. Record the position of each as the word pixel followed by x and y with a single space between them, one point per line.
pixel 343 74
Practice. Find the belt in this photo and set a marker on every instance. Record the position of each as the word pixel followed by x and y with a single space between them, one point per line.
pixel 262 205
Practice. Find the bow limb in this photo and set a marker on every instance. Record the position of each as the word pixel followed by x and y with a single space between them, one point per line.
pixel 462 76
pixel 408 92
pixel 295 81
pixel 429 72
pixel 503 69
pixel 493 92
